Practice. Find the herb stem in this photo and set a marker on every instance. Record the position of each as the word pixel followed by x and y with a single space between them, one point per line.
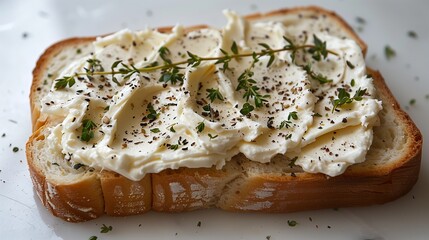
pixel 240 55
pixel 310 46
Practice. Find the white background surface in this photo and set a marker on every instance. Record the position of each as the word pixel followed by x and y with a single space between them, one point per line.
pixel 45 22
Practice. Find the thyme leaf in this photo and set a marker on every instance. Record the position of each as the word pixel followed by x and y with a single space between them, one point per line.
pixel 163 53
pixel 211 136
pixel 62 83
pixel 200 127
pixel 114 65
pixel 193 60
pixel 87 130
pixel 344 97
pixel 214 94
pixel 224 60
pixel 316 76
pixel 389 52
pixel 292 115
pixel 172 75
pixel 153 115
pixel 319 49
pixel 247 108
pixel 234 48
pixel 106 229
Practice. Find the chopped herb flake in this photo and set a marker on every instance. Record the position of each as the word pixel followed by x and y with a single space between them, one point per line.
pixel 200 127
pixel 106 229
pixel 412 34
pixel 389 52
pixel 292 223
pixel 351 66
pixel 155 130
pixel 214 94
pixel 87 130
pixel 212 137
pixel 360 20
pixel 247 108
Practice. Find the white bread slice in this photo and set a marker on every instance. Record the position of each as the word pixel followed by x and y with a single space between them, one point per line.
pixel 391 168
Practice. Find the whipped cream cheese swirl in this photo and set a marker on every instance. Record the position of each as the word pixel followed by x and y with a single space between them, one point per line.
pixel 144 125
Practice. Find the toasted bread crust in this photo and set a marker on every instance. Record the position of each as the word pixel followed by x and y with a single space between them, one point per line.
pixel 73 202
pixel 124 197
pixel 233 190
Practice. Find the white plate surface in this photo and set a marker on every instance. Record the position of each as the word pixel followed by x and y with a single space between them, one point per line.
pixel 29 27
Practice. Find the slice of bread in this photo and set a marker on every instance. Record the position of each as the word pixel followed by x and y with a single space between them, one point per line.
pixel 79 193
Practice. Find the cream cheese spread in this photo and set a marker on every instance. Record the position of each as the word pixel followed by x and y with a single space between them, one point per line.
pixel 144 125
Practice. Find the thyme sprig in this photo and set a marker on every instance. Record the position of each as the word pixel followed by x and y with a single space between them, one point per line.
pixel 170 69
pixel 247 83
pixel 344 97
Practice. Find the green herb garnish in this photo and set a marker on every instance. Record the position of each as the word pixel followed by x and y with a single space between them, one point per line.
pixel 78 165
pixel 316 76
pixel 360 20
pixel 247 108
pixel 319 49
pixel 171 70
pixel 285 123
pixel 224 60
pixel 234 47
pixel 193 60
pixel 94 65
pixel 114 65
pixel 152 115
pixel 106 229
pixel 172 128
pixel 292 223
pixel 212 137
pixel 214 94
pixel 350 65
pixel 200 127
pixel 292 115
pixel 15 149
pixel 268 52
pixel 163 53
pixel 412 34
pixel 126 70
pixel 246 83
pixel 344 97
pixel 173 146
pixel 87 130
pixel 155 130
pixel 389 52
pixel 61 83
pixel 172 75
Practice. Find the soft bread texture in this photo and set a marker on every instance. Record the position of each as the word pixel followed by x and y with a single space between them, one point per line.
pixel 75 195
